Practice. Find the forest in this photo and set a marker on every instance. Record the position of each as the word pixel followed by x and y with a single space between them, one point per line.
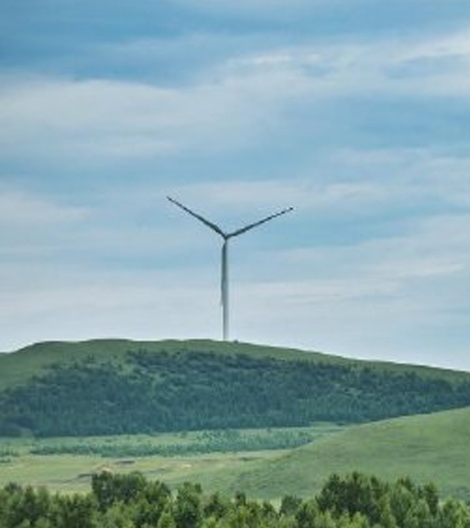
pixel 131 501
pixel 192 390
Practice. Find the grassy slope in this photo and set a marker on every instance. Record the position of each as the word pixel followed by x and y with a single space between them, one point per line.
pixel 431 447
pixel 18 367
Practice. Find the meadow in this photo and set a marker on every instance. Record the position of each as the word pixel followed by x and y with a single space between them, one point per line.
pixel 432 447
pixel 213 458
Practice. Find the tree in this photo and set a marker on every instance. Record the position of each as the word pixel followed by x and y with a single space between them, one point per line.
pixel 454 514
pixel 188 508
pixel 386 517
pixel 167 519
pixel 401 500
pixel 290 505
pixel 74 511
pixel 418 516
pixel 307 514
pixel 215 507
pixel 430 494
pixel 116 516
pixel 109 488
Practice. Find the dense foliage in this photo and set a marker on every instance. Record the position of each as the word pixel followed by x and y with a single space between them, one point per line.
pixel 130 501
pixel 225 441
pixel 193 390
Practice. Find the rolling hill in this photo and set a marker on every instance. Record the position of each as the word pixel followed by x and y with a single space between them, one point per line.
pixel 107 387
pixel 428 448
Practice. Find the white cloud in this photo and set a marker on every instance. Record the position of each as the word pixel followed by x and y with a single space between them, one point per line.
pixel 101 118
pixel 231 197
pixel 81 304
pixel 269 7
pixel 24 209
pixel 43 236
pixel 362 67
pixel 452 45
pixel 353 181
pixel 239 103
pixel 431 246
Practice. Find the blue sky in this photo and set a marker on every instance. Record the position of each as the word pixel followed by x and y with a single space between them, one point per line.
pixel 355 112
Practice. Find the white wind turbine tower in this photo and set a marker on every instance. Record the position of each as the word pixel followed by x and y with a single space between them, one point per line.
pixel 226 237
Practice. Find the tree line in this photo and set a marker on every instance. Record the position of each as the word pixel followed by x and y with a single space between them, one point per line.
pixel 162 392
pixel 208 442
pixel 131 501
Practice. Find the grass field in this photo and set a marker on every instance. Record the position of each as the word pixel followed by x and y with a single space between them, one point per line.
pixel 66 473
pixel 212 458
pixel 431 447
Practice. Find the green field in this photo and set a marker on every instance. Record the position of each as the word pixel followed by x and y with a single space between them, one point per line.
pixel 433 447
pixel 428 448
pixel 212 458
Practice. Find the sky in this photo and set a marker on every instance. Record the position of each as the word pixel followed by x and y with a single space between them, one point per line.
pixel 354 112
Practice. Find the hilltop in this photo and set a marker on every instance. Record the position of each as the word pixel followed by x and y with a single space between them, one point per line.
pixel 118 386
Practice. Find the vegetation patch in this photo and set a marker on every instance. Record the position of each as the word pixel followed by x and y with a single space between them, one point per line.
pixel 131 501
pixel 193 390
pixel 201 443
pixel 7 452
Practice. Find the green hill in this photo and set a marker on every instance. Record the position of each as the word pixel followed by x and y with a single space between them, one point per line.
pixel 108 387
pixel 427 448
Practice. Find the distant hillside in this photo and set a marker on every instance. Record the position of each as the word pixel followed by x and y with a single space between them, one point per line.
pixel 428 448
pixel 115 386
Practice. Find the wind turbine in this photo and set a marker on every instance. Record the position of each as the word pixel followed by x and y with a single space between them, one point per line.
pixel 226 237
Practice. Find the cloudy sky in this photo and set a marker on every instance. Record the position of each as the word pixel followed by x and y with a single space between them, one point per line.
pixel 355 112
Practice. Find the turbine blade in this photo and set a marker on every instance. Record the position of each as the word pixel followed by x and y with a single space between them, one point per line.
pixel 208 223
pixel 256 224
